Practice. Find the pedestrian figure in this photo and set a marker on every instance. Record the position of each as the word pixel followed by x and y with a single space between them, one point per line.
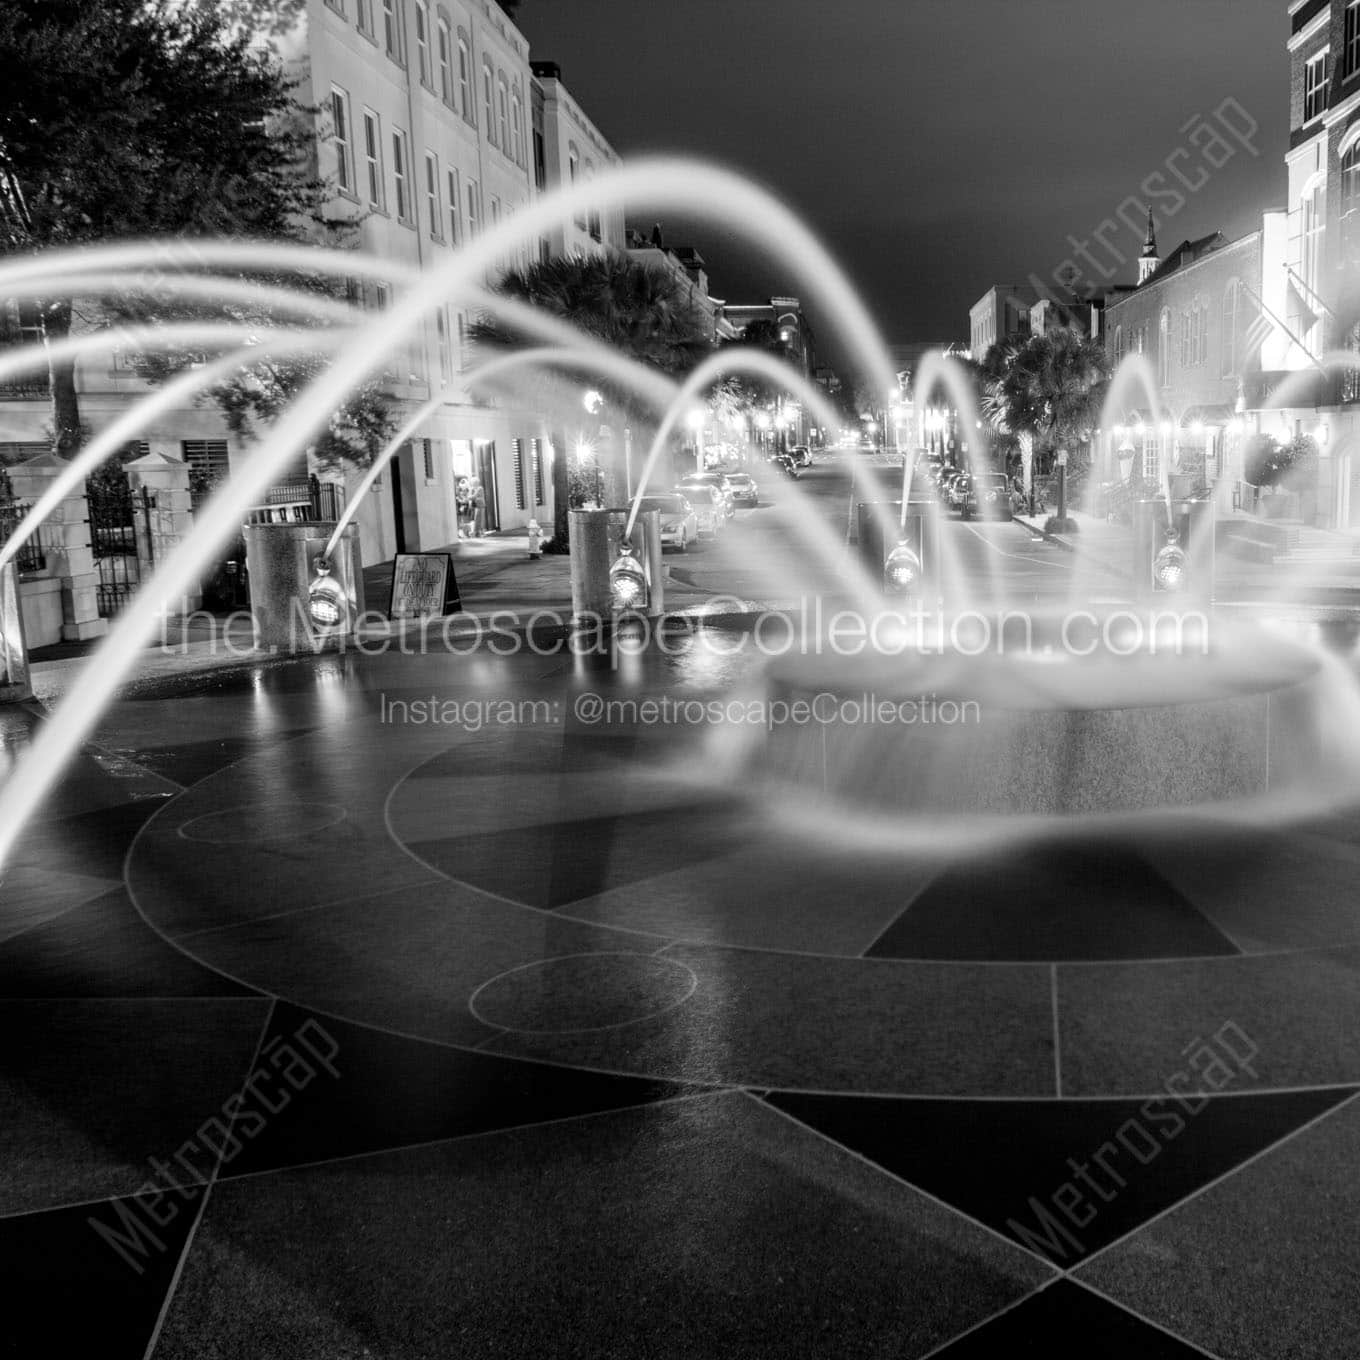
pixel 478 508
pixel 462 499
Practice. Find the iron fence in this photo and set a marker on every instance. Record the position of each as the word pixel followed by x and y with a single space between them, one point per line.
pixel 31 557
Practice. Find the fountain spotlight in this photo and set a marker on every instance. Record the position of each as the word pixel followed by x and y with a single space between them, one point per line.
pixel 902 570
pixel 628 591
pixel 1170 566
pixel 326 604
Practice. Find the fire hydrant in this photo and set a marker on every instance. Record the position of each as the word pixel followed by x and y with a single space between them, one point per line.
pixel 535 540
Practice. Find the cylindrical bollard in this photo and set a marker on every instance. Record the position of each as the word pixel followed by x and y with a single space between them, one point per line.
pixel 647 537
pixel 1173 553
pixel 15 681
pixel 298 599
pixel 590 561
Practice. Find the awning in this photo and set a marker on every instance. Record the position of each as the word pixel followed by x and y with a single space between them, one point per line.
pixel 1220 415
pixel 1286 390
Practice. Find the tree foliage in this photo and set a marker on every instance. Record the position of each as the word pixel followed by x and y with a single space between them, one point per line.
pixel 1052 389
pixel 134 119
pixel 639 311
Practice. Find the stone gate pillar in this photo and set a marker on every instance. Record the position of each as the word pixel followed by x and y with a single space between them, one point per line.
pixel 66 541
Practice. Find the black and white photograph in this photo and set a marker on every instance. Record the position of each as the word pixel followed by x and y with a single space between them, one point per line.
pixel 679 679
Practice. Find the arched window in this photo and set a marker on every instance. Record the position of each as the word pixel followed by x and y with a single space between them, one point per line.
pixel 444 52
pixel 574 174
pixel 516 129
pixel 1350 201
pixel 503 116
pixel 1164 349
pixel 1118 343
pixel 465 80
pixel 423 42
pixel 489 102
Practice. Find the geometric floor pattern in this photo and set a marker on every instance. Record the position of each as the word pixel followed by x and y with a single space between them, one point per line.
pixel 327 1036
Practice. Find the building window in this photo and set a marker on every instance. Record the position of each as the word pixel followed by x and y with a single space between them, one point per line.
pixel 1310 260
pixel 1351 49
pixel 445 52
pixel 373 159
pixel 441 327
pixel 540 161
pixel 363 17
pixel 520 502
pixel 432 196
pixel 573 175
pixel 338 6
pixel 488 103
pixel 1315 86
pixel 596 227
pixel 207 460
pixel 1350 203
pixel 474 213
pixel 454 233
pixel 503 118
pixel 1118 343
pixel 1164 350
pixel 423 43
pixel 465 82
pixel 344 148
pixel 401 176
pixel 537 446
pixel 427 450
pixel 462 342
pixel 392 34
pixel 516 130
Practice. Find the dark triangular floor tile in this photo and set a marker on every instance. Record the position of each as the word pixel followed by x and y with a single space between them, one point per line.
pixel 1066 1319
pixel 1054 903
pixel 66 1282
pixel 549 866
pixel 104 948
pixel 93 842
pixel 1063 1178
pixel 376 1090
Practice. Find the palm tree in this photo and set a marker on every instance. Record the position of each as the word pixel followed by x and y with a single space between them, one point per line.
pixel 640 311
pixel 1051 394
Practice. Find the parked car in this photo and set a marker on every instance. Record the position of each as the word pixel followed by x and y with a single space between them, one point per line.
pixel 707 504
pixel 744 489
pixel 954 488
pixel 718 481
pixel 801 455
pixel 988 494
pixel 783 462
pixel 679 523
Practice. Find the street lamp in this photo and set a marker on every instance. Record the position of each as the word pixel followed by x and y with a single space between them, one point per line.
pixel 696 420
pixel 902 570
pixel 628 590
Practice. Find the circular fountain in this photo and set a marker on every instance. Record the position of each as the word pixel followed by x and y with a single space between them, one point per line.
pixel 952 725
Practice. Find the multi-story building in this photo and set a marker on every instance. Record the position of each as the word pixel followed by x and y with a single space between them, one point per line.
pixel 685 267
pixel 426 132
pixel 427 139
pixel 1003 310
pixel 792 331
pixel 1195 317
pixel 568 149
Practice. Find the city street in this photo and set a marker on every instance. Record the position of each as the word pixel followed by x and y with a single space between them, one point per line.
pixel 766 554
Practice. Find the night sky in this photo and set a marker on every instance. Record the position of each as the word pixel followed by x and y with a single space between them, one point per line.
pixel 939 146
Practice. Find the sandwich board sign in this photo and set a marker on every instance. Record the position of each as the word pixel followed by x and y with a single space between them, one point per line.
pixel 423 585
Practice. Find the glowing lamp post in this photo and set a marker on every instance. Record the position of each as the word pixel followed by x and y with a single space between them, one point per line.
pixel 1170 568
pixel 627 583
pixel 15 685
pixel 696 420
pixel 902 570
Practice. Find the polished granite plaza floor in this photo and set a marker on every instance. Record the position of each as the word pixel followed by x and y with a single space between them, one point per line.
pixel 328 1035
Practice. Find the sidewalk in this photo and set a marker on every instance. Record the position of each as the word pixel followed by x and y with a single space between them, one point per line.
pixel 496 577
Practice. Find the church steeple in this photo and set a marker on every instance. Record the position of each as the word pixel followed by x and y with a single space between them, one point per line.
pixel 1148 261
